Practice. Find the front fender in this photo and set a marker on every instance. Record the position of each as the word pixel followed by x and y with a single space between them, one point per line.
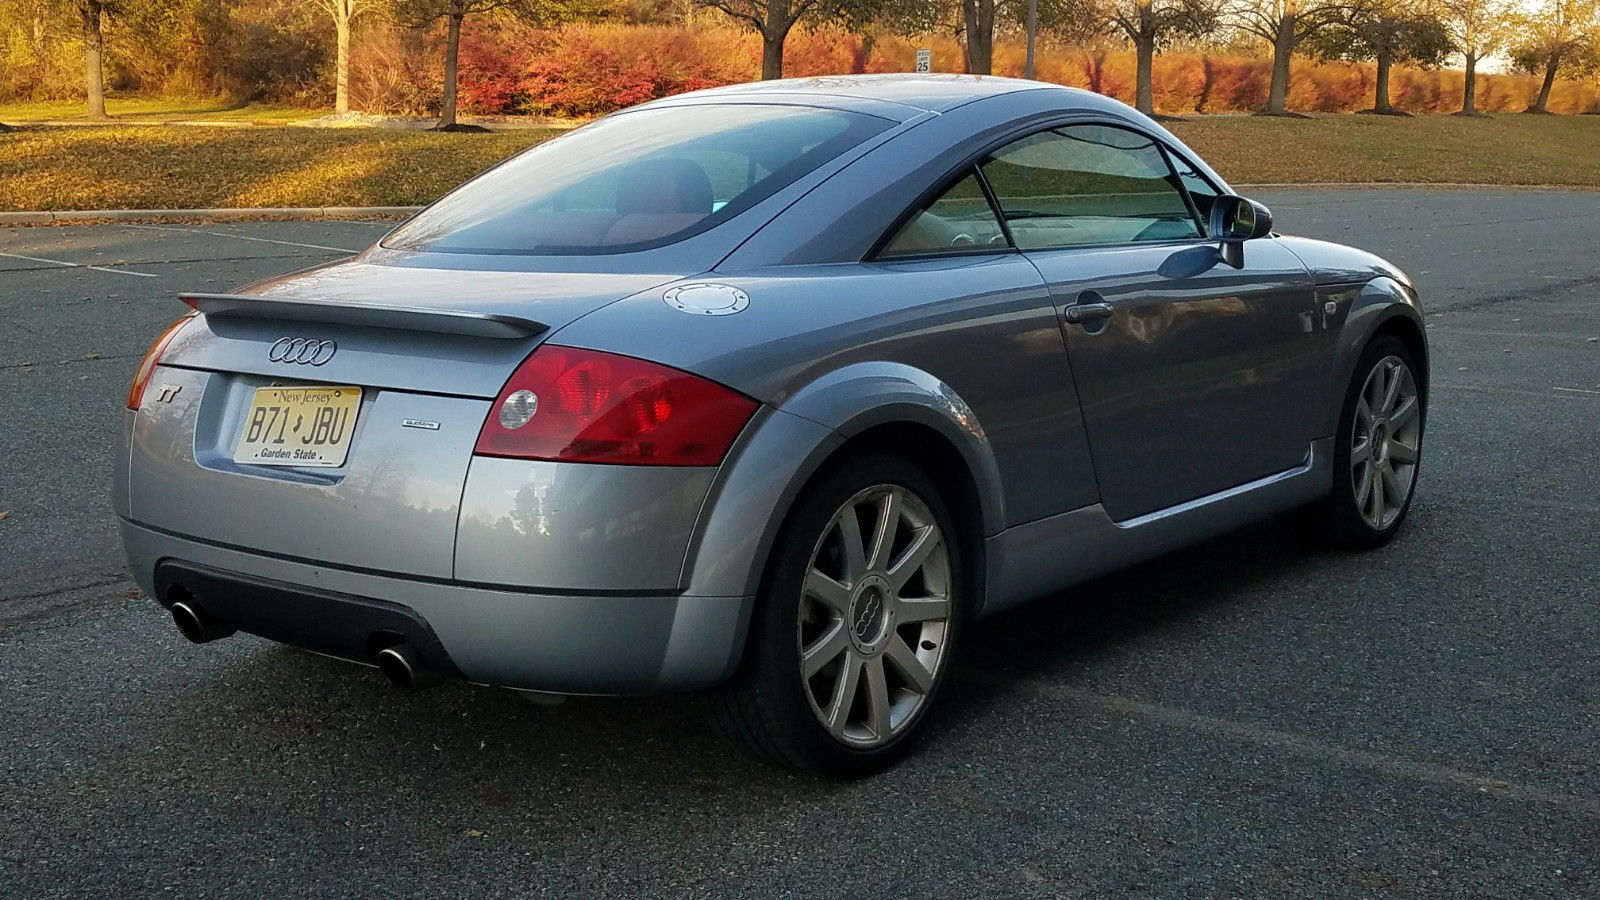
pixel 1376 305
pixel 785 447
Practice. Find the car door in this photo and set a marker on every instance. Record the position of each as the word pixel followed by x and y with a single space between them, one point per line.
pixel 1193 376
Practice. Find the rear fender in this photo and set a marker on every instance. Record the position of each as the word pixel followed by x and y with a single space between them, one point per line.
pixel 757 487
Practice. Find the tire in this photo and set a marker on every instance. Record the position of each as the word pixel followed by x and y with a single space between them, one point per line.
pixel 1373 483
pixel 874 630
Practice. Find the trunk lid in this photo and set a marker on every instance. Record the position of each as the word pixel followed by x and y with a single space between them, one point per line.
pixel 441 331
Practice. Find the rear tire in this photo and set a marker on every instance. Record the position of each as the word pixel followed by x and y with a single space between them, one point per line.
pixel 1377 453
pixel 853 630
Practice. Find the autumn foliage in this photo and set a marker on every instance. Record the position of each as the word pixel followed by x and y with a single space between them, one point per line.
pixel 590 69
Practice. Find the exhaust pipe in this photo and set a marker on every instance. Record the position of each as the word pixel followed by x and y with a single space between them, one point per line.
pixel 405 668
pixel 195 625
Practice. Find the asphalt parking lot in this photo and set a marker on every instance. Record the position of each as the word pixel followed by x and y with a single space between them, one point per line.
pixel 1245 718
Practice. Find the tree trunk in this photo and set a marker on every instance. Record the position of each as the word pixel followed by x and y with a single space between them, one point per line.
pixel 1208 80
pixel 1380 98
pixel 1469 88
pixel 1543 101
pixel 93 50
pixel 863 53
pixel 452 51
pixel 1282 50
pixel 341 89
pixel 772 54
pixel 978 20
pixel 1144 95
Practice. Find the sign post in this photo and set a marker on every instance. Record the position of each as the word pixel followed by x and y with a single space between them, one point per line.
pixel 925 60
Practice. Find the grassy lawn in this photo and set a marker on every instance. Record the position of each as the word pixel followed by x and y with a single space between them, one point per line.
pixel 1507 149
pixel 147 110
pixel 143 167
pixel 179 167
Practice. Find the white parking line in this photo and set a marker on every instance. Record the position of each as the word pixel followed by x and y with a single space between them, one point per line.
pixel 1577 390
pixel 73 265
pixel 246 237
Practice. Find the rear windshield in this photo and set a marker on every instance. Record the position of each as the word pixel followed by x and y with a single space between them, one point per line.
pixel 635 180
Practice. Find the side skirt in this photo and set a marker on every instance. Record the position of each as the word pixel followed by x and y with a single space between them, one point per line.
pixel 1038 558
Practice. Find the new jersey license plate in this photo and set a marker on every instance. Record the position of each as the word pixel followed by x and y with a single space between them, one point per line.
pixel 299 426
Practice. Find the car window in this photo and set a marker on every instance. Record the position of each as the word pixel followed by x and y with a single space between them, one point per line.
pixel 960 220
pixel 635 180
pixel 1087 184
pixel 1200 188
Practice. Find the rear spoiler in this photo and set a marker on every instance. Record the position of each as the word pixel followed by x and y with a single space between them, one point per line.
pixel 407 318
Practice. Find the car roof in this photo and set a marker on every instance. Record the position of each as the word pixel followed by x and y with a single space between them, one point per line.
pixel 914 94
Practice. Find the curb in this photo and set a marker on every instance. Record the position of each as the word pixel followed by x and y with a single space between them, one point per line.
pixel 1410 186
pixel 255 214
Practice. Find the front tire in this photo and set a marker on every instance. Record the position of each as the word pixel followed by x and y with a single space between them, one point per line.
pixel 853 631
pixel 1377 451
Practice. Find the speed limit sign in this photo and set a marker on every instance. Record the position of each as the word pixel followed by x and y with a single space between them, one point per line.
pixel 925 60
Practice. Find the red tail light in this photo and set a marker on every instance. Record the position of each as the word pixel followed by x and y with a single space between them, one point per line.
pixel 577 405
pixel 152 358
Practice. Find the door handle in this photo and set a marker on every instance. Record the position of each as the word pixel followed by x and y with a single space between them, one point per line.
pixel 1079 313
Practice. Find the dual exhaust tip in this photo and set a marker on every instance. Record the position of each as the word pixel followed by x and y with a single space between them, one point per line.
pixel 400 663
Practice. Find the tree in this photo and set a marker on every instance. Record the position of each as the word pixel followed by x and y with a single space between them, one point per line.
pixel 1286 24
pixel 1476 28
pixel 344 13
pixel 1149 25
pixel 421 13
pixel 773 20
pixel 91 12
pixel 977 29
pixel 1387 32
pixel 1561 33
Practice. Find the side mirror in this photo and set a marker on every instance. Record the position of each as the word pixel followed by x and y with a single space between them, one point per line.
pixel 1235 219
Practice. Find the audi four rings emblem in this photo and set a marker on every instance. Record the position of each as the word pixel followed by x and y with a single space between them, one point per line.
pixel 302 351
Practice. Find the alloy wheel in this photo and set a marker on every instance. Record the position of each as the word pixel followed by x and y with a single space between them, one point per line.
pixel 874 616
pixel 1384 441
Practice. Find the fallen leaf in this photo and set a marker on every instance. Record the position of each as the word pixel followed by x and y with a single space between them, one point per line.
pixel 5 515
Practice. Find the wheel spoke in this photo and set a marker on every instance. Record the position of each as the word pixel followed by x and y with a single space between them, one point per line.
pixel 1375 511
pixel 844 693
pixel 1404 413
pixel 1391 484
pixel 1358 453
pixel 909 610
pixel 1364 486
pixel 1365 412
pixel 906 663
pixel 855 553
pixel 824 650
pixel 877 698
pixel 1377 386
pixel 884 532
pixel 1391 391
pixel 830 593
pixel 922 546
pixel 1400 453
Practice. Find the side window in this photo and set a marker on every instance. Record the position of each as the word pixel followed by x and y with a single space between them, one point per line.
pixel 1087 184
pixel 1200 188
pixel 960 220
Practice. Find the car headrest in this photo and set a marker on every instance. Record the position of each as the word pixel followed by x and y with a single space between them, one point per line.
pixel 664 186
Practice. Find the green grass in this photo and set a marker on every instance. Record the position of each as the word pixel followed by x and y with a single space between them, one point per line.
pixel 140 109
pixel 147 167
pixel 1510 149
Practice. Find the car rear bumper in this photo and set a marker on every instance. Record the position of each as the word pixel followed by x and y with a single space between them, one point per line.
pixel 589 643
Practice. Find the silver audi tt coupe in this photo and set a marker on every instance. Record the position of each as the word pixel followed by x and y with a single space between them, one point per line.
pixel 772 389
